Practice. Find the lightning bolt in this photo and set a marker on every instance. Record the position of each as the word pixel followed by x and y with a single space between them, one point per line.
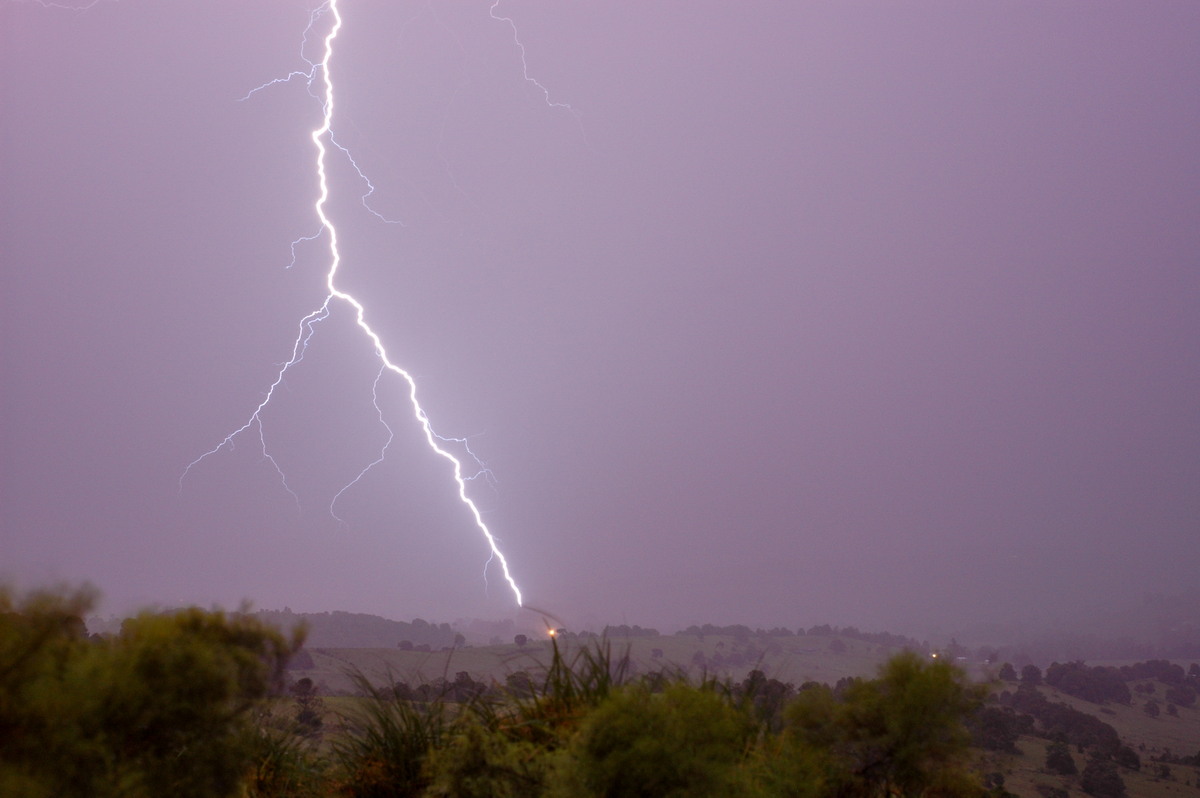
pixel 516 37
pixel 382 450
pixel 524 62
pixel 67 7
pixel 320 75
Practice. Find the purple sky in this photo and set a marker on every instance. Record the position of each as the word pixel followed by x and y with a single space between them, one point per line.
pixel 872 313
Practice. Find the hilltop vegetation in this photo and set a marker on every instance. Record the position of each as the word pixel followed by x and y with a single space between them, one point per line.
pixel 360 630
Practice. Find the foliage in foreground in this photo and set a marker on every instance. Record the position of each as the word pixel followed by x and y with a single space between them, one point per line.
pixel 163 708
pixel 177 704
pixel 900 734
pixel 590 730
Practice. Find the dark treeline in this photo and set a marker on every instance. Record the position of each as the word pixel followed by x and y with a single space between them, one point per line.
pixel 1101 684
pixel 359 630
pixel 1064 647
pixel 625 630
pixel 743 632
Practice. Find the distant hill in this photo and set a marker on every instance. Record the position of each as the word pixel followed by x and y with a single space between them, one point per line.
pixel 359 630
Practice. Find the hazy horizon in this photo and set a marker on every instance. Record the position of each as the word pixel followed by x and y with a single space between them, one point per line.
pixel 884 315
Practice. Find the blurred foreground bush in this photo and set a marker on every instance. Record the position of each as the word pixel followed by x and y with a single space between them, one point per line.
pixel 586 735
pixel 162 709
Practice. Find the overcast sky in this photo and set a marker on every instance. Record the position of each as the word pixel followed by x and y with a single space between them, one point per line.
pixel 869 313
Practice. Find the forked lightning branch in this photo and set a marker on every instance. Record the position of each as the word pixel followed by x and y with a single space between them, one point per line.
pixel 337 300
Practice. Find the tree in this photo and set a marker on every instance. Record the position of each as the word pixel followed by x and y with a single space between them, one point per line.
pixel 520 640
pixel 768 697
pixel 464 688
pixel 309 706
pixel 1182 694
pixel 1059 759
pixel 1126 757
pixel 685 741
pixel 519 684
pixel 163 708
pixel 1100 778
pixel 1095 684
pixel 1031 675
pixel 902 733
pixel 1007 672
pixel 997 728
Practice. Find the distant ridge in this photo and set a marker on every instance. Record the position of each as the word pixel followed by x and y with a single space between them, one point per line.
pixel 360 630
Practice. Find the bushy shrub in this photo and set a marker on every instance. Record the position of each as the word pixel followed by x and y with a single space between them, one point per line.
pixel 997 728
pixel 1059 759
pixel 685 741
pixel 163 708
pixel 1101 779
pixel 507 746
pixel 903 732
pixel 1181 695
pixel 384 751
pixel 481 761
